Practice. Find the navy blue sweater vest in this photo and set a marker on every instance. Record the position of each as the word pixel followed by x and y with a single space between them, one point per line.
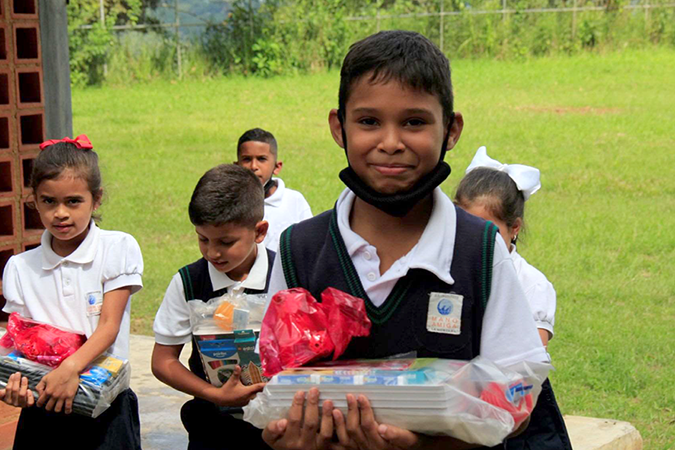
pixel 314 257
pixel 197 286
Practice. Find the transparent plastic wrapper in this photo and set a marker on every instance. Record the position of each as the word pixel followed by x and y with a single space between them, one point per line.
pixel 225 332
pixel 475 401
pixel 229 312
pixel 39 342
pixel 99 385
pixel 297 329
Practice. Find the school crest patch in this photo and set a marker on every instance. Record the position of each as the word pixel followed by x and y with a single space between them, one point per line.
pixel 445 313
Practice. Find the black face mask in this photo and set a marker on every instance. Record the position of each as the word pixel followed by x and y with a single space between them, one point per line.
pixel 400 204
pixel 268 186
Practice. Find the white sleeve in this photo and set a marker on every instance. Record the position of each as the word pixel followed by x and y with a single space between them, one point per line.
pixel 123 266
pixel 172 322
pixel 11 290
pixel 509 333
pixel 542 299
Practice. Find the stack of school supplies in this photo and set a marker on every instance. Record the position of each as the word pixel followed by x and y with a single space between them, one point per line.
pixel 474 401
pixel 225 331
pixel 99 385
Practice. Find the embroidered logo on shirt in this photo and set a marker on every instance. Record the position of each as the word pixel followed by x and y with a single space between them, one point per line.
pixel 445 313
pixel 94 303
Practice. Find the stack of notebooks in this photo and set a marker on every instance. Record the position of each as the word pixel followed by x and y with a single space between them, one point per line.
pixel 427 395
pixel 99 385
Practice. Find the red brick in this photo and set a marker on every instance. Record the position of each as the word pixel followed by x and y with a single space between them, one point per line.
pixel 24 9
pixel 30 243
pixel 9 417
pixel 31 129
pixel 6 89
pixel 7 221
pixel 5 54
pixel 7 170
pixel 26 168
pixel 29 93
pixel 27 44
pixel 7 252
pixel 7 127
pixel 30 219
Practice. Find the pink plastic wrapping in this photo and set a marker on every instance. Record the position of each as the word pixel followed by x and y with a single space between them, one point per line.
pixel 297 329
pixel 40 342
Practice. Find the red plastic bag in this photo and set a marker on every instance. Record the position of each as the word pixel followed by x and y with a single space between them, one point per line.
pixel 297 329
pixel 519 406
pixel 40 342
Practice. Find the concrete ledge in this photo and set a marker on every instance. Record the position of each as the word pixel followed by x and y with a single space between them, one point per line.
pixel 588 433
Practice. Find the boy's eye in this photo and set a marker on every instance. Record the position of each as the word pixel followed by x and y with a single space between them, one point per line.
pixel 415 122
pixel 74 201
pixel 368 121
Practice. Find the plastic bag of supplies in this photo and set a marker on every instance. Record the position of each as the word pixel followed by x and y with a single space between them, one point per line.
pixel 297 329
pixel 475 401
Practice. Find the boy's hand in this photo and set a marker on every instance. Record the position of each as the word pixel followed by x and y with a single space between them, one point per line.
pixel 16 393
pixel 234 393
pixel 58 388
pixel 305 433
pixel 360 430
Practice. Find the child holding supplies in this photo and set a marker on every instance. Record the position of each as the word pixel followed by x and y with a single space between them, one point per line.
pixel 81 278
pixel 396 240
pixel 227 211
pixel 497 192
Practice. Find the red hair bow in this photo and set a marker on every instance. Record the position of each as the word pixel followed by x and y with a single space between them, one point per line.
pixel 82 141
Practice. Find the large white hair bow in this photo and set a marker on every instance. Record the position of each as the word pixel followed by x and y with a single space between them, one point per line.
pixel 526 177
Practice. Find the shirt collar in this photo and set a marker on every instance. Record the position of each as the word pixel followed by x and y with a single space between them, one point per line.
pixel 427 254
pixel 256 279
pixel 275 199
pixel 83 254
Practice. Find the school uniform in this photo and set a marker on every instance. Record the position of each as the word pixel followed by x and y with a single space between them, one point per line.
pixel 282 209
pixel 489 315
pixel 68 292
pixel 208 425
pixel 547 430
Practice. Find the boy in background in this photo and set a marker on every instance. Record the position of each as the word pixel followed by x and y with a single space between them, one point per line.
pixel 397 241
pixel 257 150
pixel 227 211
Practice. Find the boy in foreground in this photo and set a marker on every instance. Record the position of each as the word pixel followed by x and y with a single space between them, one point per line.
pixel 257 150
pixel 227 211
pixel 396 240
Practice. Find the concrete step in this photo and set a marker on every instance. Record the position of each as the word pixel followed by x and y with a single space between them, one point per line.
pixel 588 433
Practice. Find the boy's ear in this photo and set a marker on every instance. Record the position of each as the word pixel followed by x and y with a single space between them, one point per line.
pixel 98 198
pixel 335 127
pixel 518 224
pixel 261 231
pixel 277 167
pixel 455 130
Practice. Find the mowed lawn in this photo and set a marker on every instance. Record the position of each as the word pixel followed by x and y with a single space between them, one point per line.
pixel 600 128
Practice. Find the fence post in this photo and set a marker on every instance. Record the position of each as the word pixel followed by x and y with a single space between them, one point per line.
pixel 503 9
pixel 102 18
pixel 440 26
pixel 378 19
pixel 574 20
pixel 647 18
pixel 177 28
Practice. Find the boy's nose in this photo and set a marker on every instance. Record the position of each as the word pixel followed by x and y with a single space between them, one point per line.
pixel 61 212
pixel 391 142
pixel 213 253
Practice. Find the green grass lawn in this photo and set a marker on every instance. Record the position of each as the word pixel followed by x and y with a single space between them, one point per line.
pixel 600 129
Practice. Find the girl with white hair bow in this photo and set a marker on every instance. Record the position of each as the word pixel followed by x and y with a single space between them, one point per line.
pixel 497 192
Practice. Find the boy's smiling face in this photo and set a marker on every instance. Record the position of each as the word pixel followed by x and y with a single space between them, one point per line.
pixel 394 133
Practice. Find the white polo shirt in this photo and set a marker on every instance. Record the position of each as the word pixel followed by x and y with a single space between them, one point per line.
pixel 282 209
pixel 539 292
pixel 68 291
pixel 509 334
pixel 172 322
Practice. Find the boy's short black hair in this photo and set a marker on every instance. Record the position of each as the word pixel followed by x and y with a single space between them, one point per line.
pixel 258 135
pixel 405 56
pixel 227 194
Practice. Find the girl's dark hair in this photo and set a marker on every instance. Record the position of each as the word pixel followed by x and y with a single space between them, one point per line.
pixel 495 190
pixel 55 159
